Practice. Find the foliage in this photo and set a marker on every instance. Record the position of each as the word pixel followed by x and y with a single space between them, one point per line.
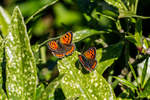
pixel 76 83
pixel 114 27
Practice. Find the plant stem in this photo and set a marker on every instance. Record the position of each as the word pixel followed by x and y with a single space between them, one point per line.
pixel 31 17
pixel 43 54
pixel 136 4
pixel 137 16
pixel 43 43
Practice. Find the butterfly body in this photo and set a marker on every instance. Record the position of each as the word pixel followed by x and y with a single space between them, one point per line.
pixel 88 59
pixel 63 46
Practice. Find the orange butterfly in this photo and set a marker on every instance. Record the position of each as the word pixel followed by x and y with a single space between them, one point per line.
pixel 63 46
pixel 88 59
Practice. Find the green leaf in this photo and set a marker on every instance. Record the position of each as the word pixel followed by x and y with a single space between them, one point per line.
pixel 144 71
pixel 48 94
pixel 131 38
pixel 2 93
pixel 126 8
pixel 4 21
pixel 39 90
pixel 118 4
pixel 1 61
pixel 79 35
pixel 35 50
pixel 77 83
pixel 133 72
pixel 96 14
pixel 123 98
pixel 146 43
pixel 107 56
pixel 125 82
pixel 146 91
pixel 21 75
pixel 49 3
pixel 138 33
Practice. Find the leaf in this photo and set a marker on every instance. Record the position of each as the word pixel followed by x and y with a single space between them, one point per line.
pixel 123 11
pixel 51 2
pixel 21 75
pixel 1 61
pixel 107 56
pixel 39 90
pixel 48 94
pixel 133 72
pixel 36 51
pixel 144 71
pixel 4 21
pixel 125 82
pixel 2 93
pixel 96 14
pixel 118 4
pixel 145 43
pixel 138 33
pixel 79 84
pixel 131 39
pixel 123 98
pixel 146 91
pixel 79 35
pixel 126 8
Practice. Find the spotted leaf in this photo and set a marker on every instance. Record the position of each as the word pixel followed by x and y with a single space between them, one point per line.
pixel 21 75
pixel 79 84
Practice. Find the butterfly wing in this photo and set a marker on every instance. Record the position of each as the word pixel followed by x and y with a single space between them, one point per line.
pixel 53 45
pixel 89 65
pixel 88 59
pixel 66 39
pixel 56 49
pixel 83 61
pixel 90 53
pixel 93 64
pixel 66 44
pixel 63 46
pixel 58 54
pixel 64 51
pixel 69 49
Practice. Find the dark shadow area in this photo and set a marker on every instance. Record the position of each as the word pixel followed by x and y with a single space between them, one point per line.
pixel 3 69
pixel 4 73
pixel 50 68
pixel 112 51
pixel 80 67
pixel 59 95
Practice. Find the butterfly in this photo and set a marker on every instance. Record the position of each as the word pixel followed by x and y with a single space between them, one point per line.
pixel 88 59
pixel 63 46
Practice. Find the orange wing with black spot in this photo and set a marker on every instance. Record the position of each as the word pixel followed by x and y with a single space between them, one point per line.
pixel 53 45
pixel 88 59
pixel 58 55
pixel 66 39
pixel 93 65
pixel 88 65
pixel 70 49
pixel 56 51
pixel 90 53
pixel 63 46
